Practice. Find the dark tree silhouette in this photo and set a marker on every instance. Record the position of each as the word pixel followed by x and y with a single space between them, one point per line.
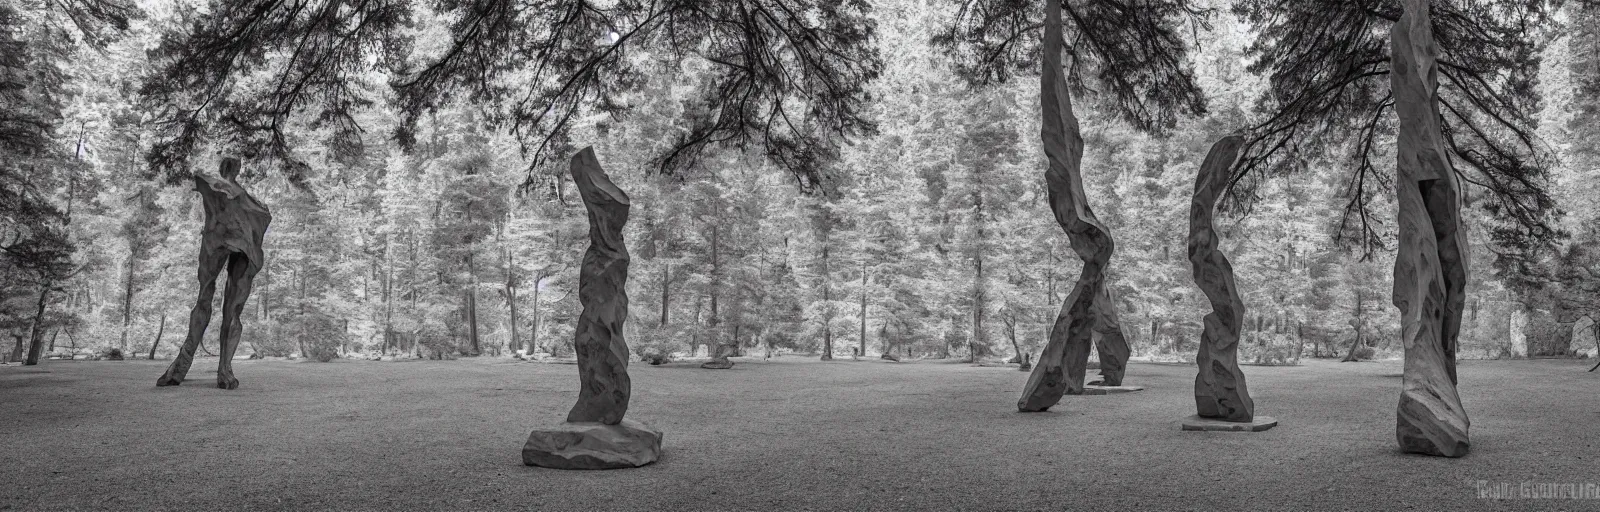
pixel 787 77
pixel 305 55
pixel 35 251
pixel 1585 123
pixel 1131 53
pixel 1327 63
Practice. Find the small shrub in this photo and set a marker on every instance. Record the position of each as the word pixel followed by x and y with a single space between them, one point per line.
pixel 657 352
pixel 1365 353
pixel 1276 356
pixel 656 358
pixel 321 335
pixel 435 341
pixel 1269 348
pixel 114 354
pixel 269 339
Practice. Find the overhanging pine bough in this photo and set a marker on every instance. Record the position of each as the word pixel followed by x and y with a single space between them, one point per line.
pixel 787 77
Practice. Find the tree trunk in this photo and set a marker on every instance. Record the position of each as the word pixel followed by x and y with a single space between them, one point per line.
pixel 1516 327
pixel 1300 340
pixel 300 277
pixel 511 298
pixel 36 330
pixel 979 337
pixel 266 286
pixel 1011 332
pixel 472 321
pixel 1361 323
pixel 160 329
pixel 863 309
pixel 1351 355
pixel 714 346
pixel 533 339
pixel 388 304
pixel 127 303
pixel 666 280
pixel 827 302
pixel 1155 327
pixel 472 302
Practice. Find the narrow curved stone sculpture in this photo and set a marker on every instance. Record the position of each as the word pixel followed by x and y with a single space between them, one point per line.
pixel 231 239
pixel 595 435
pixel 1109 342
pixel 1430 269
pixel 1061 366
pixel 1219 388
pixel 602 290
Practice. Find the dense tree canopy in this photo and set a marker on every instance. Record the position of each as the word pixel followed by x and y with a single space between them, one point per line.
pixel 1328 97
pixel 785 77
pixel 1132 52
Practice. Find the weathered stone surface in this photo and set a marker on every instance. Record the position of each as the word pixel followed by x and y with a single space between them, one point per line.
pixel 720 363
pixel 602 290
pixel 1061 365
pixel 1109 343
pixel 1257 424
pixel 1430 270
pixel 1219 387
pixel 591 445
pixel 231 239
pixel 1094 389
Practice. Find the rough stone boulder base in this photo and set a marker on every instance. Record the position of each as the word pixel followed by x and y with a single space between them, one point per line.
pixel 1430 269
pixel 1219 386
pixel 590 445
pixel 721 363
pixel 602 290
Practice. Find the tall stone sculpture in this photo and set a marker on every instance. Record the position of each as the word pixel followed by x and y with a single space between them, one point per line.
pixel 231 239
pixel 1430 269
pixel 595 435
pixel 1061 366
pixel 1220 396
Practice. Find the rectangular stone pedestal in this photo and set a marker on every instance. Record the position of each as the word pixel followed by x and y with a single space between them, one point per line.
pixel 1215 425
pixel 1110 390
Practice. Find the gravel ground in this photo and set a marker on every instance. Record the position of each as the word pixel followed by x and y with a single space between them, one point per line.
pixel 792 433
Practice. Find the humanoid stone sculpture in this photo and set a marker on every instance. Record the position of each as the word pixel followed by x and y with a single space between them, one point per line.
pixel 231 239
pixel 1219 388
pixel 595 435
pixel 1061 366
pixel 1430 269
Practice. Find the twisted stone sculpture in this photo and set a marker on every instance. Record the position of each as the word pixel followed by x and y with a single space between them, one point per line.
pixel 1061 366
pixel 1219 388
pixel 595 435
pixel 1430 269
pixel 235 226
pixel 602 290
